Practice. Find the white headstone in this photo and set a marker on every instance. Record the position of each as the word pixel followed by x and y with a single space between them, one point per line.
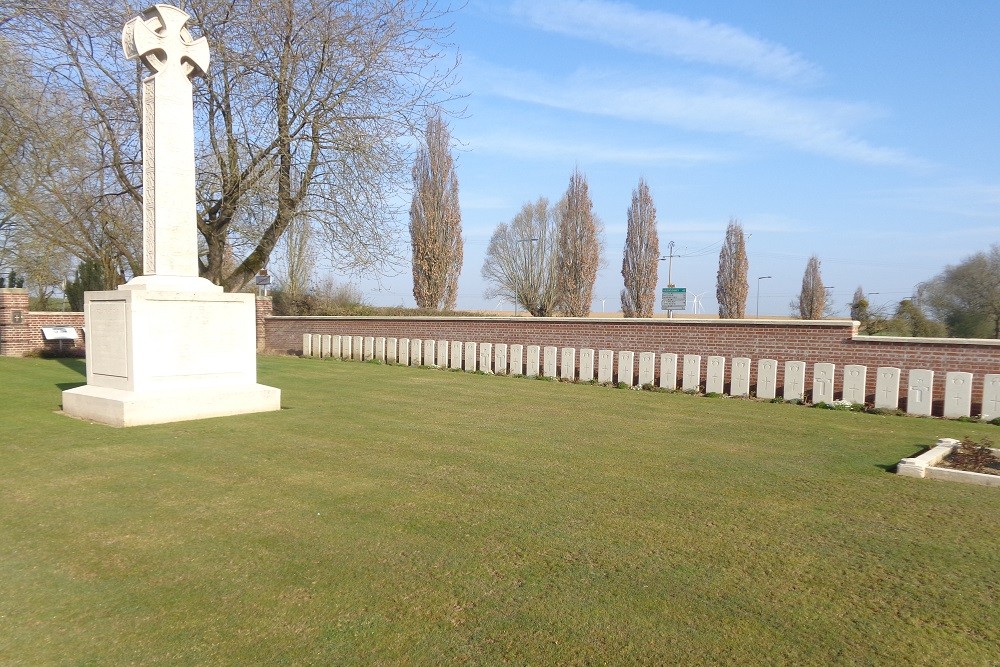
pixel 957 395
pixel 325 348
pixel 533 361
pixel 335 346
pixel 391 347
pixel 380 348
pixel 430 350
pixel 307 345
pixel 455 354
pixel 416 348
pixel 605 366
pixel 357 347
pixel 887 388
pixel 919 392
pixel 404 351
pixel 795 381
pixel 442 353
pixel 586 364
pixel 486 357
pixel 516 359
pixel 767 378
pixel 549 361
pixel 647 368
pixel 469 362
pixel 345 346
pixel 855 379
pixel 739 383
pixel 369 348
pixel 626 367
pixel 691 378
pixel 317 345
pixel 991 397
pixel 668 370
pixel 715 375
pixel 500 359
pixel 567 365
pixel 823 375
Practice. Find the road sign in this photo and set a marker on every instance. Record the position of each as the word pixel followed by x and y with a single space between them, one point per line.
pixel 673 298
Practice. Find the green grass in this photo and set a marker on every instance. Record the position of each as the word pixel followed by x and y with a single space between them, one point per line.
pixel 392 515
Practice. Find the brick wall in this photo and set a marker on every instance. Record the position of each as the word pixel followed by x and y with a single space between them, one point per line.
pixel 264 309
pixel 831 341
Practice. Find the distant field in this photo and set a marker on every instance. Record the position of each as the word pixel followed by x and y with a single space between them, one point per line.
pixel 396 515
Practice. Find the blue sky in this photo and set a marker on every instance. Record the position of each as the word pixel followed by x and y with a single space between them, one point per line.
pixel 863 132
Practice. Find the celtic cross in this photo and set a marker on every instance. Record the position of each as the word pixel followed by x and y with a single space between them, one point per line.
pixel 160 39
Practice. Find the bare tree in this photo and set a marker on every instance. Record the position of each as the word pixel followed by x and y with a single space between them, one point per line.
pixel 641 256
pixel 299 260
pixel 732 286
pixel 580 247
pixel 435 220
pixel 521 260
pixel 811 302
pixel 302 115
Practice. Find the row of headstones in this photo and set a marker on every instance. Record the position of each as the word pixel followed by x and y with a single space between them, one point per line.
pixel 533 360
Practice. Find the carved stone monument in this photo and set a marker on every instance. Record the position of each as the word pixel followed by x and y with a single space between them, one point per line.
pixel 168 345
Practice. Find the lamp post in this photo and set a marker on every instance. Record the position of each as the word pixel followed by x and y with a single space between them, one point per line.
pixel 670 264
pixel 759 278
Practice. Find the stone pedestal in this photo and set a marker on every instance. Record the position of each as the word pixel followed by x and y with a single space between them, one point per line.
pixel 159 356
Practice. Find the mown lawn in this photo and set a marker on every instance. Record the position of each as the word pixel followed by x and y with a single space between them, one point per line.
pixel 393 515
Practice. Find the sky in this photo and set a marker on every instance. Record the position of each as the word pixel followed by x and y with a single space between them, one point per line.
pixel 867 133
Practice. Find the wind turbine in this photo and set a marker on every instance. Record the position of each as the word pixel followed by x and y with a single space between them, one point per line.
pixel 696 302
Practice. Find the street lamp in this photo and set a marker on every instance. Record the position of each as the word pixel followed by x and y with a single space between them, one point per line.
pixel 760 278
pixel 670 264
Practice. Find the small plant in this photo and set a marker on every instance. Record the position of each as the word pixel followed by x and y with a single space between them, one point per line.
pixel 624 385
pixel 995 421
pixel 714 394
pixel 648 387
pixel 777 399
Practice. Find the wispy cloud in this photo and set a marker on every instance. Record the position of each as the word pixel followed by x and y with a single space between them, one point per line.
pixel 660 33
pixel 540 148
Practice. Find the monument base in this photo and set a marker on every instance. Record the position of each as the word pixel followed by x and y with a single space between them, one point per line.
pixel 159 356
pixel 116 407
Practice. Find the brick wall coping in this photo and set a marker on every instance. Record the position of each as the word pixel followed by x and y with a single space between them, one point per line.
pixel 575 320
pixel 993 342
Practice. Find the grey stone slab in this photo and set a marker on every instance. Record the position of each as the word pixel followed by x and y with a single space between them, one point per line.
pixel 455 354
pixel 794 388
pixel 380 348
pixel 586 365
pixel 469 360
pixel 416 352
pixel 691 374
pixel 887 388
pixel 668 371
pixel 626 367
pixel 767 378
pixel 567 365
pixel 486 357
pixel 430 352
pixel 647 368
pixel 369 348
pixel 715 375
pixel 307 345
pixel 549 361
pixel 991 396
pixel 605 366
pixel 500 359
pixel 919 392
pixel 855 379
pixel 391 350
pixel 404 351
pixel 823 378
pixel 957 395
pixel 516 359
pixel 739 382
pixel 532 364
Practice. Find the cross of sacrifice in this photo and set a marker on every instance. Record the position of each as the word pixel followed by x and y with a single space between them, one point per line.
pixel 160 39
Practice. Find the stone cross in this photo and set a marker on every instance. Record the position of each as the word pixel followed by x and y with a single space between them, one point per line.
pixel 160 39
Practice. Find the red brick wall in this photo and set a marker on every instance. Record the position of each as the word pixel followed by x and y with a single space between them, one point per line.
pixel 264 309
pixel 833 341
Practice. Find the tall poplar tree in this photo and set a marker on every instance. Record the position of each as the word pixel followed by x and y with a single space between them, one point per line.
pixel 732 287
pixel 812 299
pixel 435 220
pixel 579 243
pixel 642 252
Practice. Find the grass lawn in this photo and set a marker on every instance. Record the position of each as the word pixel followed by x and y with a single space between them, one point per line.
pixel 393 515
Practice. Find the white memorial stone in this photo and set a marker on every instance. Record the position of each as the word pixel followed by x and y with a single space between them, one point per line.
pixel 668 371
pixel 823 376
pixel 715 375
pixel 991 397
pixel 691 379
pixel 647 368
pixel 957 395
pixel 767 378
pixel 357 348
pixel 626 367
pixel 486 357
pixel 416 350
pixel 605 366
pixel 586 365
pixel 168 345
pixel 794 388
pixel 317 345
pixel 567 365
pixel 335 346
pixel 391 350
pixel 307 345
pixel 442 353
pixel 549 361
pixel 855 379
pixel 887 388
pixel 380 348
pixel 325 348
pixel 533 361
pixel 516 359
pixel 500 358
pixel 469 361
pixel 404 351
pixel 455 356
pixel 739 383
pixel 345 346
pixel 919 392
pixel 369 348
pixel 430 347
